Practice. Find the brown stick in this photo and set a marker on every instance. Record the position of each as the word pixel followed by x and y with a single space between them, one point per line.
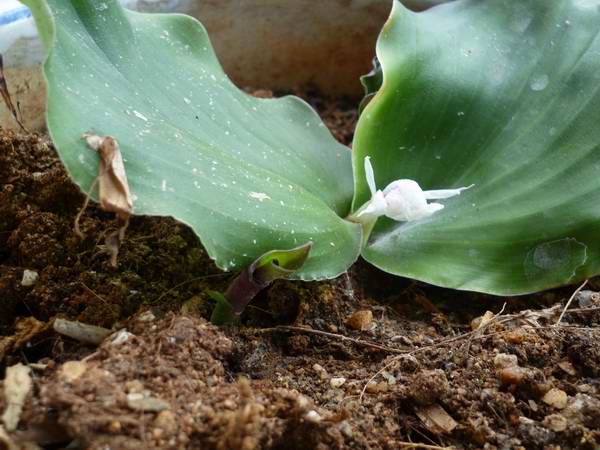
pixel 570 300
pixel 88 196
pixel 341 337
pixel 425 446
pixel 6 96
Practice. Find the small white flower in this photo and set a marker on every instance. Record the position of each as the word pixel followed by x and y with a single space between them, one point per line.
pixel 402 200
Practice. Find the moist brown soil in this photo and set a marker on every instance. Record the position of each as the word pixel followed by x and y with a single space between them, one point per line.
pixel 418 375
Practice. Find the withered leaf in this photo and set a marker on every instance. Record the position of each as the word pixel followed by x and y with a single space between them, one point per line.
pixel 6 96
pixel 113 189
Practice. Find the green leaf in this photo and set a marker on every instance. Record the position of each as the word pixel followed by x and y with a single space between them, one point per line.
pixel 503 94
pixel 247 174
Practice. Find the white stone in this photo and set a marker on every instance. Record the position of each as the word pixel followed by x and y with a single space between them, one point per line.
pixel 30 277
pixel 337 382
pixel 313 416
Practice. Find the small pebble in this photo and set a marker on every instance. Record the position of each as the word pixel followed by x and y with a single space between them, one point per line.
pixel 504 360
pixel 567 367
pixel 346 428
pixel 403 340
pixel 139 402
pixel 337 382
pixel 376 388
pixel 391 379
pixel 303 402
pixel 320 370
pixel 134 386
pixel 515 336
pixel 146 316
pixel 165 420
pixel 120 337
pixel 30 277
pixel 587 299
pixel 556 398
pixel 71 371
pixel 556 422
pixel 114 426
pixel 313 416
pixel 512 375
pixel 526 421
pixel 533 405
pixel 360 320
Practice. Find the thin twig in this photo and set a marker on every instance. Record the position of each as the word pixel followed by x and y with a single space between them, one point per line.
pixel 425 446
pixel 7 99
pixel 570 300
pixel 88 197
pixel 341 337
pixel 379 372
pixel 82 332
pixel 93 293
pixel 584 310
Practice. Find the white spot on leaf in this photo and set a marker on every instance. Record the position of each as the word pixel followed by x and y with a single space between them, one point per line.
pixel 139 115
pixel 260 196
pixel 540 83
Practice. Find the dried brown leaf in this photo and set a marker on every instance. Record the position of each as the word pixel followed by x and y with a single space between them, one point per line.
pixel 25 330
pixel 6 96
pixel 113 191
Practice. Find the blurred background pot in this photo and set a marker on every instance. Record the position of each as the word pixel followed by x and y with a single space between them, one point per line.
pixel 272 44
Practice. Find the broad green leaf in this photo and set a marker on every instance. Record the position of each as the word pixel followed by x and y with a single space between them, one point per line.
pixel 248 175
pixel 503 94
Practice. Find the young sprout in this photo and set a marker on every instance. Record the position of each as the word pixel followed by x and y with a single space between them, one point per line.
pixel 271 266
pixel 401 200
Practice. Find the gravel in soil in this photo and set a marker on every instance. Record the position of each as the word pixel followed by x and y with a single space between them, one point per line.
pixel 366 361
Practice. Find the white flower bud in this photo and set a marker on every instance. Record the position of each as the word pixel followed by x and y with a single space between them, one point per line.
pixel 401 200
